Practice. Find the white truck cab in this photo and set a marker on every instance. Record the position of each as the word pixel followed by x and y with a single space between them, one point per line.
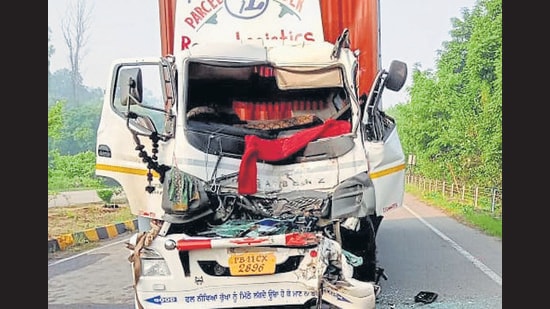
pixel 258 173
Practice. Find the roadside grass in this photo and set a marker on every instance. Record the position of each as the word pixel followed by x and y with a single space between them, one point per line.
pixel 72 219
pixel 484 221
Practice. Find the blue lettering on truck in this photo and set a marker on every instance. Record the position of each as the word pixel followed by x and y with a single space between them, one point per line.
pixel 246 9
pixel 159 300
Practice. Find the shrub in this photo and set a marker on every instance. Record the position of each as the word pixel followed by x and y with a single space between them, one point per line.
pixel 105 195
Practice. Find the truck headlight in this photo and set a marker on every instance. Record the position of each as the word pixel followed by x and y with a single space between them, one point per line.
pixel 153 264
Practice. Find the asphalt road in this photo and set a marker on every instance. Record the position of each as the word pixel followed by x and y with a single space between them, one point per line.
pixel 422 249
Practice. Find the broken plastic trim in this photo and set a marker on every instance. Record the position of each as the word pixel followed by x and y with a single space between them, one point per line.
pixel 425 297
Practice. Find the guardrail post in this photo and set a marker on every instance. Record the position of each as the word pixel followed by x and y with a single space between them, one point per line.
pixel 493 199
pixel 475 197
pixel 493 194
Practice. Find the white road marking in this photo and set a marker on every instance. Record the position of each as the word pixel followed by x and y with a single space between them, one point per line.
pixel 89 251
pixel 486 270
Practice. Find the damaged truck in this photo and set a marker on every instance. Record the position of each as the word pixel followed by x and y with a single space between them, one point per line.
pixel 256 154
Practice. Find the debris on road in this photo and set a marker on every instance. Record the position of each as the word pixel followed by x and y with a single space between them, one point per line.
pixel 425 297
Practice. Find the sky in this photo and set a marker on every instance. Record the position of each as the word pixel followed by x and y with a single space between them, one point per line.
pixel 411 31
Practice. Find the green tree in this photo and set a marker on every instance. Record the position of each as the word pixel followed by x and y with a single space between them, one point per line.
pixel 55 126
pixel 73 111
pixel 51 51
pixel 75 25
pixel 60 88
pixel 79 131
pixel 453 120
pixel 55 120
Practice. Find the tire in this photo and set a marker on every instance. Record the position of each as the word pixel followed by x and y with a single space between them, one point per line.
pixel 362 243
pixel 397 75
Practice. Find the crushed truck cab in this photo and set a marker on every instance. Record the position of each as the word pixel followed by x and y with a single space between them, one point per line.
pixel 258 172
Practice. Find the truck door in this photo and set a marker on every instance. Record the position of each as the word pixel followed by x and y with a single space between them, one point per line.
pixel 387 171
pixel 140 99
pixel 382 143
pixel 386 157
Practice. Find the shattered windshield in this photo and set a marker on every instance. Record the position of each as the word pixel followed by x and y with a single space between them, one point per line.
pixel 250 97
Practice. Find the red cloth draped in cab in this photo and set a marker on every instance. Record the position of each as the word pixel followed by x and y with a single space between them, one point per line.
pixel 277 149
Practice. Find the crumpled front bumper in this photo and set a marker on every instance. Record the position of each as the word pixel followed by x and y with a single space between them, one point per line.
pixel 322 273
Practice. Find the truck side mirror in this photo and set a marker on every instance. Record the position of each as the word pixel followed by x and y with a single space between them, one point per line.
pixel 397 75
pixel 141 124
pixel 131 86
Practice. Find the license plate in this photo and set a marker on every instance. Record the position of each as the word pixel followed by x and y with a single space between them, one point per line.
pixel 252 263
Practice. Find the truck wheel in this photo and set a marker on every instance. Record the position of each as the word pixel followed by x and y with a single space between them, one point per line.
pixel 397 75
pixel 362 243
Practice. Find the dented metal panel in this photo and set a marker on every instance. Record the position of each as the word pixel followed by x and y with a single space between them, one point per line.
pixel 362 19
